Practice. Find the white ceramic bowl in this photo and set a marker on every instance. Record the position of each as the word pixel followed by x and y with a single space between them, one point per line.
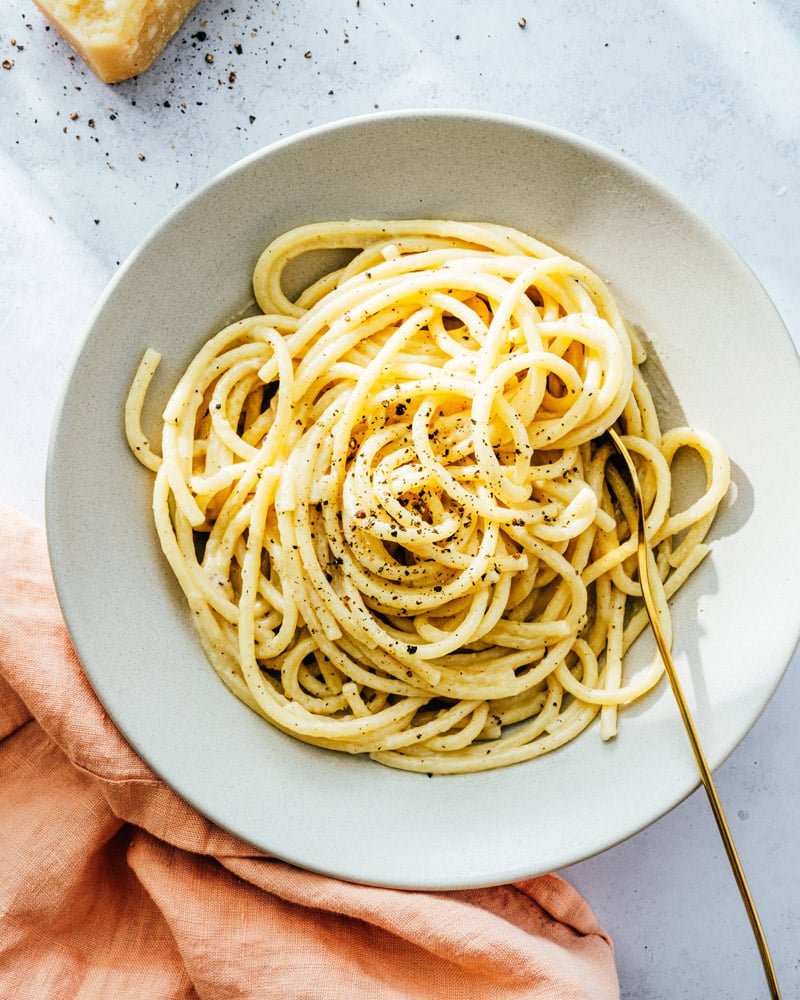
pixel 731 367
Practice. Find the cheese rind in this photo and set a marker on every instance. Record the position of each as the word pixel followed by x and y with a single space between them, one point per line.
pixel 117 39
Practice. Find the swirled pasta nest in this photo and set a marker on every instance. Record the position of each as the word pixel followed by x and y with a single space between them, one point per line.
pixel 391 506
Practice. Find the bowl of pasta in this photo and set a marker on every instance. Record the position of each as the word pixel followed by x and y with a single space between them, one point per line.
pixel 368 594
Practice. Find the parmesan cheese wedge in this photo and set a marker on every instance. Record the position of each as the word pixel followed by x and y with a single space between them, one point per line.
pixel 117 39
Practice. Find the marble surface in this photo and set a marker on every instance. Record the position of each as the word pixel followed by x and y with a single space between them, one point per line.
pixel 703 94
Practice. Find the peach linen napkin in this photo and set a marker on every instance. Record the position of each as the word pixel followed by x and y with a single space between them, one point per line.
pixel 112 887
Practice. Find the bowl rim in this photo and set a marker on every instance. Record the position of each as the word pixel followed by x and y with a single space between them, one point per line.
pixel 58 495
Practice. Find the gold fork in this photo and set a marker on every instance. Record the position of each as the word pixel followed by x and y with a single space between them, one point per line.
pixel 644 556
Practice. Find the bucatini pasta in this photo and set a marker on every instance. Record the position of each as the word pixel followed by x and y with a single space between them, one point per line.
pixel 391 505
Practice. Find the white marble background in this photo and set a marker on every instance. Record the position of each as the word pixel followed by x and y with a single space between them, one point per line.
pixel 704 94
